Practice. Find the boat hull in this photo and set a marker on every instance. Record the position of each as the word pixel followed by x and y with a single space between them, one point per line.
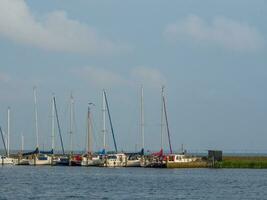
pixel 7 161
pixel 41 160
pixel 133 163
pixel 92 163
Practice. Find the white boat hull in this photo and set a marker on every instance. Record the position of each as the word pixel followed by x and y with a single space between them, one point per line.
pixel 116 160
pixel 94 162
pixel 180 158
pixel 7 161
pixel 133 163
pixel 47 160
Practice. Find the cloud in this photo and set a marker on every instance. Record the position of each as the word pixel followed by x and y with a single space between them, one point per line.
pixel 221 31
pixel 150 77
pixel 105 78
pixel 100 77
pixel 54 31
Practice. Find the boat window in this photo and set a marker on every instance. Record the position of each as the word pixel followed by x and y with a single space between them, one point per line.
pixel 178 157
pixel 112 157
pixel 171 158
pixel 42 157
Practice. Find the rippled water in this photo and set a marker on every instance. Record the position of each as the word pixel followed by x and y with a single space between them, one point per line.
pixel 26 182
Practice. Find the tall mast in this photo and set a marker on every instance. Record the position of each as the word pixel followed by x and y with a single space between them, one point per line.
pixel 89 130
pixel 71 121
pixel 104 130
pixel 22 142
pixel 8 130
pixel 142 118
pixel 53 124
pixel 162 118
pixel 36 117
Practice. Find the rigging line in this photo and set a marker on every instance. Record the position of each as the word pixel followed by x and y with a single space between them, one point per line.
pixel 111 126
pixel 59 130
pixel 3 139
pixel 167 124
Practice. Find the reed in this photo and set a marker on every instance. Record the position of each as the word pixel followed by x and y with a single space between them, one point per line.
pixel 243 162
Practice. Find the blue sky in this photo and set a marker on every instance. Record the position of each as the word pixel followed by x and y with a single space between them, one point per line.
pixel 211 55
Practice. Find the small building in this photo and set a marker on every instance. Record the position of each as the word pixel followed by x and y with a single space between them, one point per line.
pixel 215 155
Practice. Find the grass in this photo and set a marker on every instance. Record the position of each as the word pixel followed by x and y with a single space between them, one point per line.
pixel 197 164
pixel 243 162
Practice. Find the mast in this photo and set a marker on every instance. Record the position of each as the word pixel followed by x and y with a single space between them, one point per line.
pixel 104 130
pixel 167 123
pixel 71 121
pixel 89 130
pixel 53 124
pixel 22 143
pixel 8 130
pixel 36 116
pixel 162 118
pixel 58 125
pixel 142 118
pixel 110 122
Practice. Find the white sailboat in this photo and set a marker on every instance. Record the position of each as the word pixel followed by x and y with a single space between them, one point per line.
pixel 137 159
pixel 90 159
pixel 21 160
pixel 38 158
pixel 180 158
pixel 172 157
pixel 7 160
pixel 41 159
pixel 115 159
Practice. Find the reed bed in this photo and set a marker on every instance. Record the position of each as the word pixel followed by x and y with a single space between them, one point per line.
pixel 252 162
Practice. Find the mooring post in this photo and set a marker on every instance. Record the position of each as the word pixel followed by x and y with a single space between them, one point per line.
pixel 34 159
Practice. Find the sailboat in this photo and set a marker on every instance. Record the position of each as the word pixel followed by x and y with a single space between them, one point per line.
pixel 114 159
pixel 89 158
pixel 74 160
pixel 137 159
pixel 5 159
pixel 158 159
pixel 40 157
pixel 21 160
pixel 64 159
pixel 173 157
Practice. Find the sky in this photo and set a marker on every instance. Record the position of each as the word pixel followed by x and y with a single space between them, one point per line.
pixel 211 56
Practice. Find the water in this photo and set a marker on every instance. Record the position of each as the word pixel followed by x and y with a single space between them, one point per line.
pixel 29 182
